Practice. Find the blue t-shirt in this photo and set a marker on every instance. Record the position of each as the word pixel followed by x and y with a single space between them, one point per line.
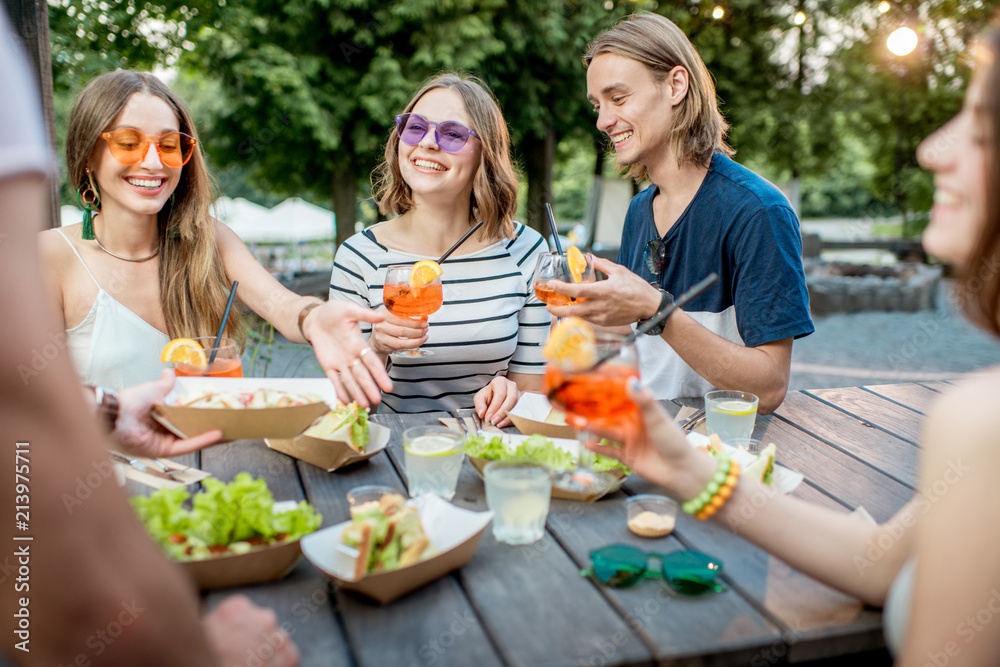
pixel 740 226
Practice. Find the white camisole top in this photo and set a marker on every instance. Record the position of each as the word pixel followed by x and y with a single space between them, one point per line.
pixel 113 346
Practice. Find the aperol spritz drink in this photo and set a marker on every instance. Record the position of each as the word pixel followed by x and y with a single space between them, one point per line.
pixel 413 292
pixel 571 266
pixel 599 395
pixel 226 363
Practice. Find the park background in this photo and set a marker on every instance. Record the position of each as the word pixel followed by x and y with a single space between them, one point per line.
pixel 296 99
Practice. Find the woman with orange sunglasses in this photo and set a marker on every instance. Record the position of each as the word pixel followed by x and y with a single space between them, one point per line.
pixel 149 262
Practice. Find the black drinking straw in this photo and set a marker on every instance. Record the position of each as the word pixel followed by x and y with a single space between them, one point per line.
pixel 222 326
pixel 552 224
pixel 662 315
pixel 460 241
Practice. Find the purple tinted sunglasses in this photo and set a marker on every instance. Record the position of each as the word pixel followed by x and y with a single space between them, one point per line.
pixel 450 135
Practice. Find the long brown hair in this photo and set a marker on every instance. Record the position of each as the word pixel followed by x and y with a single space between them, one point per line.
pixel 699 130
pixel 193 282
pixel 978 285
pixel 494 187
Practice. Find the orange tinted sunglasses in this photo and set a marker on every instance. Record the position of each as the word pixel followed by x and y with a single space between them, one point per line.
pixel 129 146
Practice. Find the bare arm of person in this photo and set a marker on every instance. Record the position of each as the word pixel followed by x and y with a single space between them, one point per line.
pixel 625 298
pixel 331 328
pixel 829 546
pixel 956 593
pixel 90 559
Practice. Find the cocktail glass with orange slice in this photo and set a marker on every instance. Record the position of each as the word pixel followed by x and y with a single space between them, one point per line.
pixel 193 357
pixel 414 291
pixel 572 266
pixel 597 394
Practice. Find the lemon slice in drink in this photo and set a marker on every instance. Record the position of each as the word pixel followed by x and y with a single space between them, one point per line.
pixel 576 263
pixel 184 351
pixel 431 445
pixel 735 408
pixel 571 344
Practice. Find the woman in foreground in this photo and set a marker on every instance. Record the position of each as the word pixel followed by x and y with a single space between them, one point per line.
pixel 943 565
pixel 447 166
pixel 149 262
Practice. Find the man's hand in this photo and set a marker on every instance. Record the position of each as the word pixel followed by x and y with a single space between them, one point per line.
pixel 140 435
pixel 238 629
pixel 620 300
pixel 357 373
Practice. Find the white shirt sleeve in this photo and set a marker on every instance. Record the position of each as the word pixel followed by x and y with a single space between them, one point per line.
pixel 23 145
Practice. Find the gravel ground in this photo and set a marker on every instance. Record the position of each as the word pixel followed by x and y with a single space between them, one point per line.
pixel 845 351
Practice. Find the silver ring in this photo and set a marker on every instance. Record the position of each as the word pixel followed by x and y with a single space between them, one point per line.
pixel 364 352
pixel 355 362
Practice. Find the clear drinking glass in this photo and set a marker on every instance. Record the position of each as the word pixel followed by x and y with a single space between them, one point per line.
pixel 433 458
pixel 554 266
pixel 518 493
pixel 730 414
pixel 600 396
pixel 403 299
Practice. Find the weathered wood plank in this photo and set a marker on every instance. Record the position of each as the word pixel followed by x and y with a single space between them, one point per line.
pixel 301 601
pixel 714 629
pixel 917 398
pixel 882 451
pixel 875 410
pixel 506 583
pixel 843 477
pixel 434 625
pixel 936 386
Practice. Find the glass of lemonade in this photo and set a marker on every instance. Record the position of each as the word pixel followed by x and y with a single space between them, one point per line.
pixel 518 492
pixel 730 414
pixel 433 458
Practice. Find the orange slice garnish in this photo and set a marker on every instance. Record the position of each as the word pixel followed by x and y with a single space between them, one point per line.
pixel 576 262
pixel 423 274
pixel 571 344
pixel 184 351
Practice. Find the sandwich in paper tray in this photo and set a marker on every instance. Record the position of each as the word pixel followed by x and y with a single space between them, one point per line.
pixel 341 437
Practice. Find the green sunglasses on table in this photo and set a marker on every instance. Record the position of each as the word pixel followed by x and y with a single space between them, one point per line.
pixel 685 572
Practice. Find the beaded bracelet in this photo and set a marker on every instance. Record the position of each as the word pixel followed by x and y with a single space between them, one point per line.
pixel 717 491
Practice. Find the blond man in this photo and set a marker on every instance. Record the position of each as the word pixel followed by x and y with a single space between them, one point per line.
pixel 656 101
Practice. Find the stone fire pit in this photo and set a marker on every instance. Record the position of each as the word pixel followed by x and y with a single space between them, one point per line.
pixel 840 287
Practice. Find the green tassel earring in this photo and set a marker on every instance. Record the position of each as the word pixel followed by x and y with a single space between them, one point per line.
pixel 89 200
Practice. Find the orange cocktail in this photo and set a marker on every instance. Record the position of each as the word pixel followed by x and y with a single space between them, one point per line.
pixel 571 266
pixel 413 291
pixel 226 363
pixel 405 301
pixel 599 394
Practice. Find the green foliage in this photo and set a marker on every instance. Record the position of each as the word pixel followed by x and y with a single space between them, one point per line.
pixel 297 97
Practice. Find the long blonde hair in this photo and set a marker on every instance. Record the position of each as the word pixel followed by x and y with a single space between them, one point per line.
pixel 494 187
pixel 194 287
pixel 699 130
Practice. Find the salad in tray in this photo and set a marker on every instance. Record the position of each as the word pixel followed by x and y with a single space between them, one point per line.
pixel 537 448
pixel 224 519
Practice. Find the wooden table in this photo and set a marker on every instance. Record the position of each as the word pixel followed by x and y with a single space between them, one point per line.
pixel 530 606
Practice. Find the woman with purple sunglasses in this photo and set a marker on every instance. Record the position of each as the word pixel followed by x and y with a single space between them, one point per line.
pixel 447 167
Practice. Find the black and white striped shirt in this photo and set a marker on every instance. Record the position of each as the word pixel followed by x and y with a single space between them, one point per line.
pixel 490 323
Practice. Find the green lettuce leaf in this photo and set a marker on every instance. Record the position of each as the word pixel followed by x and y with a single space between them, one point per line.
pixel 537 448
pixel 220 515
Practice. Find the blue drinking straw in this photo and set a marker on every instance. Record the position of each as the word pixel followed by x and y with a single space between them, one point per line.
pixel 222 326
